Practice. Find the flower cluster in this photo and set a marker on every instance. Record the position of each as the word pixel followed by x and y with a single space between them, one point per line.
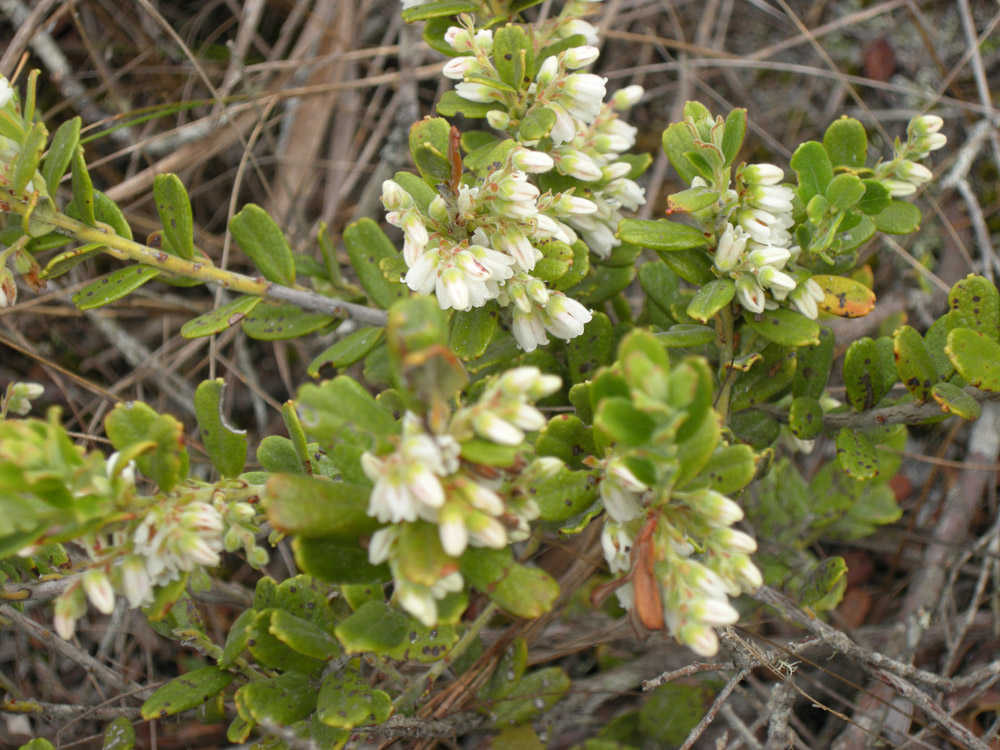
pixel 424 480
pixel 694 589
pixel 485 242
pixel 171 539
pixel 903 175
pixel 486 245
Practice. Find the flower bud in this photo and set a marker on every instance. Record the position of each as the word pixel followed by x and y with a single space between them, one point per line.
pixel 458 67
pixel 729 251
pixel 6 92
pixel 136 585
pixel 925 125
pixel 931 142
pixel 580 57
pixel 763 174
pixel 547 72
pixel 498 119
pixel 913 172
pixel 899 188
pixel 750 294
pixel 535 162
pixel 627 97
pixel 772 278
pixel 616 170
pixel 99 591
pixel 257 557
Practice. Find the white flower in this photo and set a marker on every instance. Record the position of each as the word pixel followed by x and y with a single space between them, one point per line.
pixel 581 27
pixel 729 251
pixel 489 426
pixel 478 92
pixel 771 278
pixel 715 612
pixel 577 164
pixel 564 129
pixel 625 193
pixel 547 72
pixel 528 330
pixel 381 543
pixel 805 296
pixel 749 294
pixel 699 638
pixel 913 172
pixel 899 188
pixel 583 95
pixel 498 119
pixel 565 317
pixel 925 125
pixel 621 491
pixel 535 162
pixel 394 197
pixel 452 531
pixel 136 584
pixel 773 198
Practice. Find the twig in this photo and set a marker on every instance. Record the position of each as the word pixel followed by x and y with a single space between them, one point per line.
pixel 733 719
pixel 64 648
pixel 709 717
pixel 125 249
pixel 68 711
pixel 842 643
pixel 912 412
pixel 779 710
pixel 416 727
pixel 687 671
pixel 925 704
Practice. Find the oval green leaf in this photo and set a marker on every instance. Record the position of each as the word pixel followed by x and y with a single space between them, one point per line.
pixel 114 286
pixel 262 240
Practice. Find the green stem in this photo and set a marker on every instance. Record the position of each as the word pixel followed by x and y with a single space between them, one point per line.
pixel 405 701
pixel 726 328
pixel 129 250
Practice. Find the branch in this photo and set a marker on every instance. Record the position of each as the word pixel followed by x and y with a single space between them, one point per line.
pixel 913 412
pixel 129 250
pixel 93 667
pixel 841 642
pixel 68 711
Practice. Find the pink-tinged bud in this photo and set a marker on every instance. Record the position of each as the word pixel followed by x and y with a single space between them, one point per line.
pixel 718 509
pixel 733 539
pixel 484 40
pixel 477 92
pixel 69 608
pixel 617 170
pixel 198 550
pixel 931 142
pixel 458 38
pixel 699 638
pixel 579 165
pixel 580 57
pixel 135 581
pixel 714 612
pixel 487 531
pixel 99 591
pixel 498 119
pixel 913 172
pixel 458 67
pixel 748 573
pixel 925 125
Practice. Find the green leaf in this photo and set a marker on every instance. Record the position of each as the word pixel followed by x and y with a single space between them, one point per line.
pixel 846 142
pixel 114 286
pixel 375 628
pixel 532 696
pixel 135 423
pixel 899 217
pixel 428 644
pixel 227 447
pixel 711 298
pixel 262 240
pixel 692 199
pixel 63 262
pixel 814 362
pixel 659 283
pixel 64 145
pixel 331 407
pixel 677 141
pixel 120 734
pixel 730 468
pixel 661 234
pixel 438 9
pixel 863 378
pixel 691 265
pixel 771 375
pixel 591 349
pixel 685 335
pixel 976 357
pixel 578 268
pixel 310 506
pixel 452 105
pixel 566 437
pixel 220 318
pixel 366 245
pixel 601 284
pixel 522 591
pixel 303 636
pixel 349 350
pixel 271 652
pixel 812 165
pixel 785 326
pixel 856 454
pixel 876 198
pixel 508 673
pixel 953 400
pixel 420 191
pixel 472 331
pixel 281 700
pixel 914 363
pixel 623 422
pixel 623 255
pixel 732 136
pixel 337 562
pixel 805 418
pixel 975 304
pixel 845 191
pixel 82 205
pixel 278 455
pixel 174 207
pixel 537 124
pixel 184 692
pixel 279 322
pixel 825 585
pixel 562 494
pixel 346 700
pixel 429 140
pixel 25 163
pixel 514 57
pixel 845 297
pixel 858 235
pixel 236 641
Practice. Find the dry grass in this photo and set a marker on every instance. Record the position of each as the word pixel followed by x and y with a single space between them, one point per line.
pixel 303 107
